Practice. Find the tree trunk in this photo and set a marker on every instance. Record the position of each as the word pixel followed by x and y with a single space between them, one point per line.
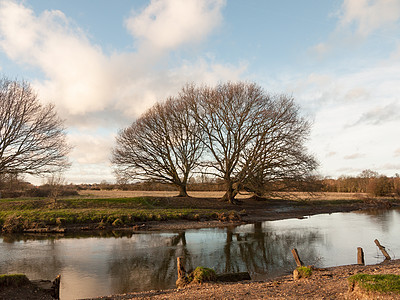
pixel 230 192
pixel 182 191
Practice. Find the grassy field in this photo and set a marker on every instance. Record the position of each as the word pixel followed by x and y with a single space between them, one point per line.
pixel 119 209
pixel 17 215
pixel 300 195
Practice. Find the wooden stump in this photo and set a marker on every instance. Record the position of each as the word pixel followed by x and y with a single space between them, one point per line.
pixel 233 277
pixel 56 287
pixel 297 258
pixel 360 256
pixel 383 250
pixel 182 278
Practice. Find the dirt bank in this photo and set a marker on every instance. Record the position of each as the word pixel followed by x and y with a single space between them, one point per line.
pixel 251 211
pixel 328 283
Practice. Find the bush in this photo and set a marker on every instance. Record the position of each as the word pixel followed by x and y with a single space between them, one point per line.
pixel 202 274
pixel 13 224
pixel 14 280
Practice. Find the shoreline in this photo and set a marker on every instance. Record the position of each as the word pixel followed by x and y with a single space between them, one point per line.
pixel 255 211
pixel 324 283
pixel 210 213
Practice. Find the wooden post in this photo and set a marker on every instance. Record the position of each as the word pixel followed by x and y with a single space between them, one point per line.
pixel 360 256
pixel 180 267
pixel 297 258
pixel 56 287
pixel 387 256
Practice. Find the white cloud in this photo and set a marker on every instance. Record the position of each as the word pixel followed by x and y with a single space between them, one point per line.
pixel 91 148
pixel 94 90
pixel 81 79
pixel 368 16
pixel 354 156
pixel 167 24
pixel 74 68
pixel 380 114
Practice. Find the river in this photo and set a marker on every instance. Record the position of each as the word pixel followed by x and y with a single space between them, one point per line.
pixel 114 263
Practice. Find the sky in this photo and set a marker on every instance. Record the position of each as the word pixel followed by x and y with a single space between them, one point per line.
pixel 103 63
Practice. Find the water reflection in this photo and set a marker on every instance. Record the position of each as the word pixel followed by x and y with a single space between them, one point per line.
pixel 118 263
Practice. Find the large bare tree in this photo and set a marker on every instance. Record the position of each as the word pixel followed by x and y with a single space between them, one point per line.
pixel 253 139
pixel 164 145
pixel 32 136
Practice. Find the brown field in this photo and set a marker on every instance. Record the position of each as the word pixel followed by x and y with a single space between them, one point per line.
pixel 298 195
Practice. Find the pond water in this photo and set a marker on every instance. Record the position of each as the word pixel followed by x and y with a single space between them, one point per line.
pixel 110 264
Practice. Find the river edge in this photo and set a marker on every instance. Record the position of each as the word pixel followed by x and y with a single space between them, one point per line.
pixel 275 212
pixel 324 283
pixel 249 212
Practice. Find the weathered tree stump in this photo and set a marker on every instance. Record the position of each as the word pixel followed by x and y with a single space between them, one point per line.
pixel 297 258
pixel 233 277
pixel 360 256
pixel 182 278
pixel 383 250
pixel 56 287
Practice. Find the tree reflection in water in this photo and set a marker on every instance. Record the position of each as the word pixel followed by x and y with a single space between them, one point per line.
pixel 261 252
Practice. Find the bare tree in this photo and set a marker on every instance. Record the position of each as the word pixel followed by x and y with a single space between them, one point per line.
pixel 164 145
pixel 55 183
pixel 253 139
pixel 32 136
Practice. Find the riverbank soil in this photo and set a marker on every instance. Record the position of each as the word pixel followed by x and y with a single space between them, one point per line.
pixel 327 283
pixel 27 291
pixel 120 210
pixel 251 210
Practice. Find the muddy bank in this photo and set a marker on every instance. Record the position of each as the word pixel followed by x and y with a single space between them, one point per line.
pixel 166 214
pixel 251 211
pixel 327 283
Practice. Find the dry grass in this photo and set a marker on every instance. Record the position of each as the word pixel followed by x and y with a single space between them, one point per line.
pixel 129 194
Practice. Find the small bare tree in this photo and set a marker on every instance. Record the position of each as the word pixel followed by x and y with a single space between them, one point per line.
pixel 55 183
pixel 32 136
pixel 164 145
pixel 253 139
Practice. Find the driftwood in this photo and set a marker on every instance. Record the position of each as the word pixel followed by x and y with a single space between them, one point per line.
pixel 50 287
pixel 233 277
pixel 383 250
pixel 297 258
pixel 224 277
pixel 45 230
pixel 360 256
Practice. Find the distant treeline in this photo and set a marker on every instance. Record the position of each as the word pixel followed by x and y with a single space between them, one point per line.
pixel 366 182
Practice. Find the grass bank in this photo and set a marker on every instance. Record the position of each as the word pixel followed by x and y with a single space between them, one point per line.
pixel 17 215
pixel 88 212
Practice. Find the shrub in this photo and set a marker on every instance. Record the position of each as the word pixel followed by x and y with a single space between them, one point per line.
pixel 14 280
pixel 202 274
pixel 13 224
pixel 304 272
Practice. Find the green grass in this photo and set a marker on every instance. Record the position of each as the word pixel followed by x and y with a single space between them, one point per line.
pixel 13 280
pixel 202 274
pixel 20 214
pixel 304 271
pixel 387 283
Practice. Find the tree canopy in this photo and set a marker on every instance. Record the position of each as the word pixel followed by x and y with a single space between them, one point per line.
pixel 235 131
pixel 32 136
pixel 164 145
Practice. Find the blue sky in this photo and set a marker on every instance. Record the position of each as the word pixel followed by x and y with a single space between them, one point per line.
pixel 103 63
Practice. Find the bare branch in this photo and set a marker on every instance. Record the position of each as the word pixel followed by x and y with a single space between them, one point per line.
pixel 32 136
